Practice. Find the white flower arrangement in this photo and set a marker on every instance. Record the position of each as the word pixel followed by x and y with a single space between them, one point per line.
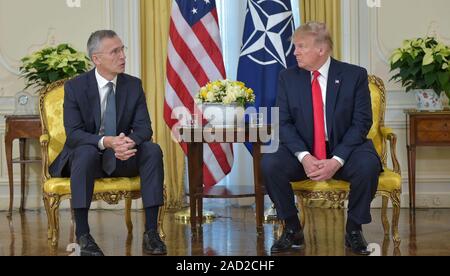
pixel 225 92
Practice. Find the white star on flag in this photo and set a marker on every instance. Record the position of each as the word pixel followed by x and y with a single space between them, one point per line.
pixel 264 31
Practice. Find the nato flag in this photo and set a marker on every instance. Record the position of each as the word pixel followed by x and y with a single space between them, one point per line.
pixel 266 49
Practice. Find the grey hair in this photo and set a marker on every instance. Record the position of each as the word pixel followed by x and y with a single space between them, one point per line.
pixel 95 40
pixel 318 30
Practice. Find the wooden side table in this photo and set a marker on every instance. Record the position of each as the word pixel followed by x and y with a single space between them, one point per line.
pixel 20 127
pixel 195 171
pixel 424 129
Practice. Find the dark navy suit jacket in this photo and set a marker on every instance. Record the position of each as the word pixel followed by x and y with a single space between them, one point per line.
pixel 348 110
pixel 82 115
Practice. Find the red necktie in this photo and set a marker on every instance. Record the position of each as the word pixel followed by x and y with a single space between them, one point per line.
pixel 319 124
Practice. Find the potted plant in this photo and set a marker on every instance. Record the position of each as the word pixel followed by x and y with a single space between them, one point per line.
pixel 222 102
pixel 51 64
pixel 423 65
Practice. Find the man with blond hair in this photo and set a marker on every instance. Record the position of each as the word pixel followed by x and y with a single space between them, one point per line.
pixel 325 116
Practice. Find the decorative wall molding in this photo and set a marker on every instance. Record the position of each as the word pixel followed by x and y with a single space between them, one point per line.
pixel 381 49
pixel 350 34
pixel 6 64
pixel 7 105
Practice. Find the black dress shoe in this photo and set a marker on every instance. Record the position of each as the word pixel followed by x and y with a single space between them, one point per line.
pixel 153 244
pixel 356 242
pixel 288 240
pixel 88 247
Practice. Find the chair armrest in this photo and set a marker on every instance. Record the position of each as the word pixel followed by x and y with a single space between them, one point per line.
pixel 389 134
pixel 44 140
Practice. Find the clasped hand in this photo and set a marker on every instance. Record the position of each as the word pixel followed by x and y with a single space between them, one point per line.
pixel 320 170
pixel 123 146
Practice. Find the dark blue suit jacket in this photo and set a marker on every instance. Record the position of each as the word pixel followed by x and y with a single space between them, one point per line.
pixel 82 114
pixel 348 110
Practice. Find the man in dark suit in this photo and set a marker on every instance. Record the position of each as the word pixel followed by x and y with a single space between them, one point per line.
pixel 325 116
pixel 109 134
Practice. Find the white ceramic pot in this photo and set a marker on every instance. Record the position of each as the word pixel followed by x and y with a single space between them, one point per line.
pixel 427 99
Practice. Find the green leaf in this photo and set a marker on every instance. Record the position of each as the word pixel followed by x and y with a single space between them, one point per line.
pixel 415 70
pixel 430 78
pixel 443 78
pixel 427 68
pixel 447 89
pixel 53 76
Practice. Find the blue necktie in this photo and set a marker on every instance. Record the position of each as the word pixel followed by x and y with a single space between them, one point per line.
pixel 109 123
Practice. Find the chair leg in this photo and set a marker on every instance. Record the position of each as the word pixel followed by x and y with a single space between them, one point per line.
pixel 280 229
pixel 384 218
pixel 161 214
pixel 53 218
pixel 301 206
pixel 128 201
pixel 47 211
pixel 395 197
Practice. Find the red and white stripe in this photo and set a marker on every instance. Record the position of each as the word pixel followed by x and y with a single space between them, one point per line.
pixel 194 59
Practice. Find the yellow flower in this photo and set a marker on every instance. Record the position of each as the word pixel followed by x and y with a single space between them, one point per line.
pixel 225 92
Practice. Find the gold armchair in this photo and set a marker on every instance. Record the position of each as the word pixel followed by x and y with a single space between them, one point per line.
pixel 55 190
pixel 389 184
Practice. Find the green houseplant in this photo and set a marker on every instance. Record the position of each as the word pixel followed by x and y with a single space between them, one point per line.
pixel 422 63
pixel 52 64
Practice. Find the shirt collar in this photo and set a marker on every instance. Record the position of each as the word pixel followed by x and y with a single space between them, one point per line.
pixel 325 68
pixel 102 82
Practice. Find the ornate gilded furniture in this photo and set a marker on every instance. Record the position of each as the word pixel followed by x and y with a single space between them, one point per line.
pixel 55 190
pixel 389 186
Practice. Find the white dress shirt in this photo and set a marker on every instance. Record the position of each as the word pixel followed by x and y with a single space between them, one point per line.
pixel 323 81
pixel 103 91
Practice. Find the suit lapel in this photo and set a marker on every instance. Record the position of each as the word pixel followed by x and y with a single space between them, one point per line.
pixel 121 96
pixel 334 83
pixel 94 97
pixel 306 98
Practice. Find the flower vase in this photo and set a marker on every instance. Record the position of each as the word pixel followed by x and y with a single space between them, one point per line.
pixel 428 100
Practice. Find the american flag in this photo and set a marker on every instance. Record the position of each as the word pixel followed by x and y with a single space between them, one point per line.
pixel 194 58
